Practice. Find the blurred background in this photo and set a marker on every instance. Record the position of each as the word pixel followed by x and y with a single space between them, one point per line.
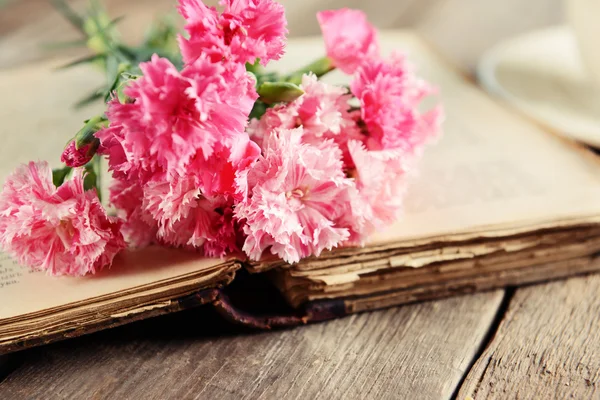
pixel 462 29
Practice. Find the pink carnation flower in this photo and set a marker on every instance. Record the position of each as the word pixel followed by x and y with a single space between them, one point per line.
pixel 63 231
pixel 350 39
pixel 322 112
pixel 225 173
pixel 139 228
pixel 294 200
pixel 390 94
pixel 209 227
pixel 381 178
pixel 176 116
pixel 281 115
pixel 246 30
pixel 121 160
pixel 186 218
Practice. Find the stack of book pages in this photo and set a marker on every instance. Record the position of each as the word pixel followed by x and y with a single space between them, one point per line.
pixel 498 201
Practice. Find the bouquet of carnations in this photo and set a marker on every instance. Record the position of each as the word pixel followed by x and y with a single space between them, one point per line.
pixel 211 152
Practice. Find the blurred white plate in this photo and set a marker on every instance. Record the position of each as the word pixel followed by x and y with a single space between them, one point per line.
pixel 542 75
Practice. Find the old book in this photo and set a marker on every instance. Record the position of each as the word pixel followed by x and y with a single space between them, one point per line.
pixel 497 202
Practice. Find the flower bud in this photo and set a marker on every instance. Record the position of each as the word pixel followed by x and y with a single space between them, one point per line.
pixel 77 157
pixel 82 148
pixel 275 92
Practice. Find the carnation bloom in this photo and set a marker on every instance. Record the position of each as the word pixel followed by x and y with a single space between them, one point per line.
pixel 176 116
pixel 118 149
pixel 127 197
pixel 294 199
pixel 390 93
pixel 381 178
pixel 187 218
pixel 225 172
pixel 246 30
pixel 63 231
pixel 322 112
pixel 74 157
pixel 350 39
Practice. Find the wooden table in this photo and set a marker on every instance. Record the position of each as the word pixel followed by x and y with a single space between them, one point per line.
pixel 540 341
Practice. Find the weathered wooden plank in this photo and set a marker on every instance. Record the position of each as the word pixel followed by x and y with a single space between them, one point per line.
pixel 420 351
pixel 547 347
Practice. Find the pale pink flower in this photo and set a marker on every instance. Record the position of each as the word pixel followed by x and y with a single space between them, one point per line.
pixel 284 116
pixel 187 218
pixel 62 231
pixel 350 39
pixel 176 116
pixel 390 94
pixel 293 204
pixel 246 30
pixel 381 178
pixel 228 237
pixel 322 111
pixel 168 202
pixel 139 228
pixel 74 157
pixel 209 227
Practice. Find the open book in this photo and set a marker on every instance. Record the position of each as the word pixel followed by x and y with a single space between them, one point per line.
pixel 497 202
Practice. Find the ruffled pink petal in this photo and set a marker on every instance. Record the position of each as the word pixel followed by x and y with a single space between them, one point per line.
pixel 350 40
pixel 390 95
pixel 62 231
pixel 175 117
pixel 293 203
pixel 247 30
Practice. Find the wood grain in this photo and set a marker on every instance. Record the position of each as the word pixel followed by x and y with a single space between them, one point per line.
pixel 547 346
pixel 420 351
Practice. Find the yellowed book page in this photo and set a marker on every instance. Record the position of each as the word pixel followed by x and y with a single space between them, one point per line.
pixel 37 122
pixel 24 292
pixel 491 169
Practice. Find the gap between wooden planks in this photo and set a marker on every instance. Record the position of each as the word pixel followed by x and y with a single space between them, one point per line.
pixel 422 350
pixel 547 346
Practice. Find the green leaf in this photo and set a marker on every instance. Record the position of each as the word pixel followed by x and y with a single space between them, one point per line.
pixel 275 92
pixel 84 60
pixel 92 97
pixel 90 178
pixel 59 175
pixel 64 45
pixel 255 68
pixel 114 22
pixel 258 110
pixel 69 14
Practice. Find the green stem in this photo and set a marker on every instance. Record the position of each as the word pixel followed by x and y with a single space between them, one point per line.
pixel 318 67
pixel 97 161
